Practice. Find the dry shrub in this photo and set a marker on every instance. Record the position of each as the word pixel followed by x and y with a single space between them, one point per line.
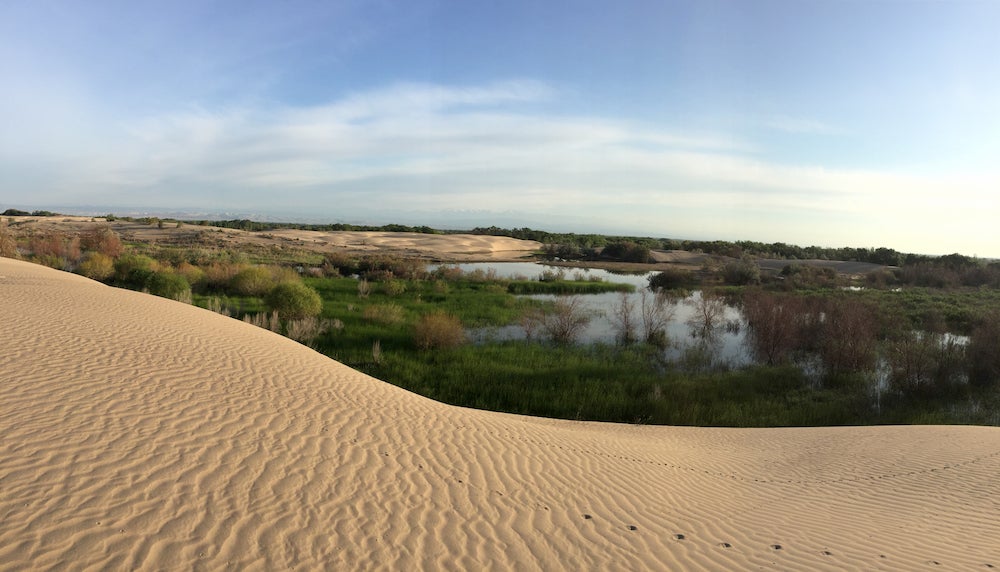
pixel 849 334
pixel 305 330
pixel 102 239
pixel 567 319
pixel 531 321
pixel 219 274
pixel 215 304
pixel 339 263
pixel 438 331
pixel 265 320
pixel 387 314
pixel 657 310
pixel 8 244
pixel 984 351
pixel 52 245
pixel 364 288
pixel 709 313
pixel 451 273
pixel 623 318
pixel 775 323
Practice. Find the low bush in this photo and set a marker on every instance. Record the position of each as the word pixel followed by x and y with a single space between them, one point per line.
pixel 169 285
pixel 742 272
pixel 97 266
pixel 219 274
pixel 252 281
pixel 52 245
pixel 265 320
pixel 305 330
pixel 394 287
pixel 984 351
pixel 8 244
pixel 191 273
pixel 102 239
pixel 385 314
pixel 438 331
pixel 133 270
pixel 294 300
pixel 672 279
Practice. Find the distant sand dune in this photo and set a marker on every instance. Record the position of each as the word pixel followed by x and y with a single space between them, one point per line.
pixel 142 433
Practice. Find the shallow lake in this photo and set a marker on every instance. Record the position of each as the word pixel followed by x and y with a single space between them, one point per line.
pixel 725 347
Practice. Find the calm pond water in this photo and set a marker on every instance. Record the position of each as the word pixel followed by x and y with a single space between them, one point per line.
pixel 725 347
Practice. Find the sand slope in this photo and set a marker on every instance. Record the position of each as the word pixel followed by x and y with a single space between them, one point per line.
pixel 437 247
pixel 141 433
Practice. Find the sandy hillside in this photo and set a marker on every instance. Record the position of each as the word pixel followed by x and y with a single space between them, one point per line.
pixel 458 247
pixel 437 247
pixel 141 433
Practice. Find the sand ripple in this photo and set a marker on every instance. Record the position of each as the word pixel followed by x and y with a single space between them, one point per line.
pixel 140 433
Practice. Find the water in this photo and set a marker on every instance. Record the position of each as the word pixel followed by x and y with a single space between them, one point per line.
pixel 723 347
pixel 532 270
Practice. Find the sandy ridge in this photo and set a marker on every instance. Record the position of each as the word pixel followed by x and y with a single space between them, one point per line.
pixel 141 433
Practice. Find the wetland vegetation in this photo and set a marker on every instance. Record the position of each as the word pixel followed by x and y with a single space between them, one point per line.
pixel 917 341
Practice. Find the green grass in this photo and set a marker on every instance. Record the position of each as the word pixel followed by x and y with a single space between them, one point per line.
pixel 628 384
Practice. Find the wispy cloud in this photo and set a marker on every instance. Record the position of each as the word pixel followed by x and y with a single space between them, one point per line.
pixel 799 125
pixel 430 148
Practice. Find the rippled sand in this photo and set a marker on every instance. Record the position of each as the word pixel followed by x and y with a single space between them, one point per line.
pixel 141 433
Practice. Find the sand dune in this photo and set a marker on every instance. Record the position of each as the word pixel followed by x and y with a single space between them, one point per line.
pixel 438 247
pixel 452 247
pixel 141 433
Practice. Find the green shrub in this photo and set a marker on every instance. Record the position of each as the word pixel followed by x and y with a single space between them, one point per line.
pixel 133 270
pixel 97 266
pixel 294 300
pixel 438 331
pixel 394 287
pixel 252 281
pixel 671 279
pixel 741 272
pixel 191 273
pixel 51 260
pixel 169 285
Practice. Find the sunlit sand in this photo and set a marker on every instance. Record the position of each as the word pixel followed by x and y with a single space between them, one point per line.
pixel 142 433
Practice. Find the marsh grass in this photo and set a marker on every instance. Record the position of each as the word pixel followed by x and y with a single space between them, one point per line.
pixel 563 287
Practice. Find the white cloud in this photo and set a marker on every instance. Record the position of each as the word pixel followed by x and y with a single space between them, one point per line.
pixel 799 125
pixel 430 148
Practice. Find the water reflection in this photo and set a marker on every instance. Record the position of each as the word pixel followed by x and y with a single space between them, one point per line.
pixel 697 335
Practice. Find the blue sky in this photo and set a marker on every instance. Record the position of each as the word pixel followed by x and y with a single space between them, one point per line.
pixel 830 122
